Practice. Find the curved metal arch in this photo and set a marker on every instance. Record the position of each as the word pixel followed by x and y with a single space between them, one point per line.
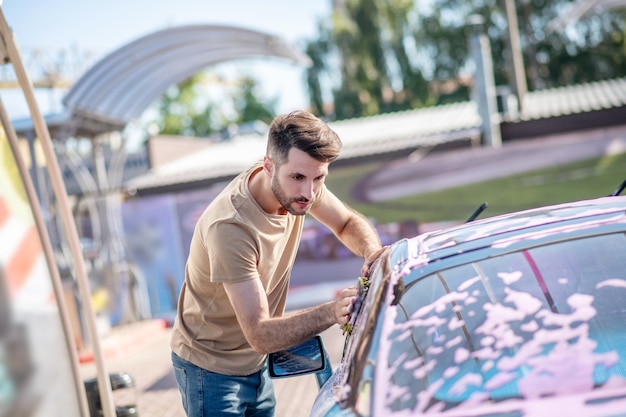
pixel 120 87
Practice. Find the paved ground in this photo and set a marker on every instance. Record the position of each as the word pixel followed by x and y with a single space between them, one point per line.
pixel 143 351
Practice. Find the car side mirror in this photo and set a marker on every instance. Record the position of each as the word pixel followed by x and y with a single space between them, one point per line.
pixel 303 359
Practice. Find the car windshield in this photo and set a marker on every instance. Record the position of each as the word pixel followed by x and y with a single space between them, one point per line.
pixel 544 321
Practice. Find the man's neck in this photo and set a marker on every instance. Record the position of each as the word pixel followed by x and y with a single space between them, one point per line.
pixel 261 190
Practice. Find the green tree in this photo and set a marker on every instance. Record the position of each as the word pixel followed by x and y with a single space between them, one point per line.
pixel 248 106
pixel 372 45
pixel 592 48
pixel 182 110
pixel 186 110
pixel 389 55
pixel 317 51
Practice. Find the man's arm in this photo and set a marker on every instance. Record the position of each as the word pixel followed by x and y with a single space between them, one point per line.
pixel 266 334
pixel 352 228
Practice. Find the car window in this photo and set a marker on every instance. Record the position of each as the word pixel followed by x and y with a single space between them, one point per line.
pixel 544 321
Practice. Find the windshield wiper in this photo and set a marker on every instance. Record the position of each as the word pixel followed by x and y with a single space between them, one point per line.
pixel 619 190
pixel 479 210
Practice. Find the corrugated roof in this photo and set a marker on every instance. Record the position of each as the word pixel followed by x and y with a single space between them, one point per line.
pixel 574 99
pixel 407 129
pixel 390 132
pixel 122 85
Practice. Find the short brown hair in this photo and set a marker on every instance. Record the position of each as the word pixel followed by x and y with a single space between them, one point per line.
pixel 302 130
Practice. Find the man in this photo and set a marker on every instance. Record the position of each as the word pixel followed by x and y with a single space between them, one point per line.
pixel 231 305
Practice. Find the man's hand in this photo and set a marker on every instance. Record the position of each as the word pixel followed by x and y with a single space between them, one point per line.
pixel 344 304
pixel 365 269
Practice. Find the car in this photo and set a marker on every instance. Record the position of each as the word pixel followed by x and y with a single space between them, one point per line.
pixel 521 314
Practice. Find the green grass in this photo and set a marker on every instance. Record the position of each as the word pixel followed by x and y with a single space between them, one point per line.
pixel 581 180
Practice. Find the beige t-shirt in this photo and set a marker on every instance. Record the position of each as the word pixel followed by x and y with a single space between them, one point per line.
pixel 234 240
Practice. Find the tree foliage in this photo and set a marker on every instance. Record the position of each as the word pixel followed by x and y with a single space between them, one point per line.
pixel 249 107
pixel 187 110
pixel 375 56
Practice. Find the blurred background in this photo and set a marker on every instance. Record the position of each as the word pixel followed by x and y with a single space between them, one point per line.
pixel 153 107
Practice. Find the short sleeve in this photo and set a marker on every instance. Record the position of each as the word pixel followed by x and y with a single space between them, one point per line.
pixel 232 252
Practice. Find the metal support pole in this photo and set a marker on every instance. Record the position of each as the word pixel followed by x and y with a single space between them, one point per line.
pixel 34 169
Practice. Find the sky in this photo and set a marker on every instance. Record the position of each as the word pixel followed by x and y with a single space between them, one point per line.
pixel 79 27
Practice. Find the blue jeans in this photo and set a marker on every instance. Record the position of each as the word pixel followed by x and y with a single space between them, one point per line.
pixel 206 393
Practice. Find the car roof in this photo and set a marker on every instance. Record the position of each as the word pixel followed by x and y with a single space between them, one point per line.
pixel 532 224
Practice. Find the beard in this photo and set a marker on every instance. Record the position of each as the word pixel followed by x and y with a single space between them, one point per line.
pixel 286 202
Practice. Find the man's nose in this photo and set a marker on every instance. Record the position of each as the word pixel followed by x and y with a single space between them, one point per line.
pixel 307 190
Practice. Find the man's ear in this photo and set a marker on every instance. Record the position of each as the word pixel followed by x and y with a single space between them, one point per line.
pixel 268 165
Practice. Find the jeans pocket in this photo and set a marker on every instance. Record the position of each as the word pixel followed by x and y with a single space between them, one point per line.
pixel 181 380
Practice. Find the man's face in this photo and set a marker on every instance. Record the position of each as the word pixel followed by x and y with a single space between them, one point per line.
pixel 296 182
